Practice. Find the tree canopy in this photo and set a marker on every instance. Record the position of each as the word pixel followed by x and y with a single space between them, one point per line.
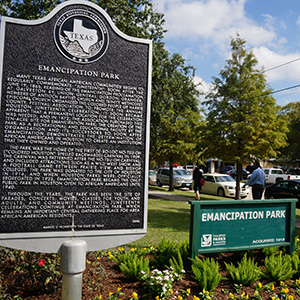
pixel 292 151
pixel 242 116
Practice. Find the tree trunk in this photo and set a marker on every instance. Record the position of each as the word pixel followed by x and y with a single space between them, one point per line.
pixel 238 180
pixel 171 184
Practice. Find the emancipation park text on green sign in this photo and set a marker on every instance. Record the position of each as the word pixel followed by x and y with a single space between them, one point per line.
pixel 218 226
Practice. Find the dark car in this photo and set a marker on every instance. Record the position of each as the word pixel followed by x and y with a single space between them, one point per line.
pixel 284 189
pixel 225 169
pixel 232 173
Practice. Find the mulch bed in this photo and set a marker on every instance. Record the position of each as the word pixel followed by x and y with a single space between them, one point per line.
pixel 112 279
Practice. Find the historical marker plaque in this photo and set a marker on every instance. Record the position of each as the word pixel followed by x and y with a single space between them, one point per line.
pixel 74 125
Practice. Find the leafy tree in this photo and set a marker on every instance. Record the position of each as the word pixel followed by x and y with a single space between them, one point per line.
pixel 27 9
pixel 242 118
pixel 292 151
pixel 180 117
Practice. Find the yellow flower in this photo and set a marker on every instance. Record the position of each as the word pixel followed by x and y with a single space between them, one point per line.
pixel 100 297
pixel 98 258
pixel 134 295
pixel 290 297
pixel 188 291
pixel 87 261
pixel 286 290
pixel 121 249
pixel 247 297
pixel 133 249
pixel 255 293
pixel 196 298
pixel 119 289
pixel 273 287
pixel 179 298
pixel 157 298
pixel 171 291
pixel 259 285
pixel 231 296
pixel 208 297
pixel 282 283
pixel 110 294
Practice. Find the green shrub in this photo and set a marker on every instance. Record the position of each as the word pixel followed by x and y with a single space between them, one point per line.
pixel 166 250
pixel 270 251
pixel 206 273
pixel 279 267
pixel 134 267
pixel 246 272
pixel 296 264
pixel 176 264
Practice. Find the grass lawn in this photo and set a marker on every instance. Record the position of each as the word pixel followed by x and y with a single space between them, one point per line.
pixel 171 219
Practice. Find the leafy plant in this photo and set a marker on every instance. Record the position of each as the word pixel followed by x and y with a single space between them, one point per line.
pixel 134 267
pixel 279 267
pixel 206 273
pixel 176 264
pixel 168 249
pixel 246 272
pixel 270 251
pixel 96 272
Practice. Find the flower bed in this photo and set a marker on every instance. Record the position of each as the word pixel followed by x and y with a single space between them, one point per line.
pixel 26 275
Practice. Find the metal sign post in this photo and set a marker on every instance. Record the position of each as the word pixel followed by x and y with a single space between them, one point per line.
pixel 73 263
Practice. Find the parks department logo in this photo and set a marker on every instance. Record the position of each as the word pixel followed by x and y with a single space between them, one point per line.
pixel 81 36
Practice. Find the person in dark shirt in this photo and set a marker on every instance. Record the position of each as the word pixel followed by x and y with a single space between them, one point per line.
pixel 197 186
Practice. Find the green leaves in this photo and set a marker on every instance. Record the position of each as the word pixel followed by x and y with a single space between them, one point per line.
pixel 206 273
pixel 133 266
pixel 242 117
pixel 279 267
pixel 246 272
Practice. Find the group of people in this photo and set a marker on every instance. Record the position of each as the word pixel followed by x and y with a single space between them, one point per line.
pixel 256 181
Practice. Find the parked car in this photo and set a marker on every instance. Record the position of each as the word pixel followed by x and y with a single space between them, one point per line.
pixel 152 177
pixel 181 178
pixel 222 185
pixel 274 175
pixel 232 173
pixel 226 169
pixel 284 189
pixel 189 168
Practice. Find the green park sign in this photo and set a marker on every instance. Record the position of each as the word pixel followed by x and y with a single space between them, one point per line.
pixel 219 226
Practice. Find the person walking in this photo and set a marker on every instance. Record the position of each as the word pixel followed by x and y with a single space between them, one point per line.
pixel 257 181
pixel 197 175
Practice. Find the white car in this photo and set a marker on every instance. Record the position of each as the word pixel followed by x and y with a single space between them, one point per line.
pixel 222 185
pixel 181 178
pixel 152 177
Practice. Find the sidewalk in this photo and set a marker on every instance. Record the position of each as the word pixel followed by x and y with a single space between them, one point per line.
pixel 173 197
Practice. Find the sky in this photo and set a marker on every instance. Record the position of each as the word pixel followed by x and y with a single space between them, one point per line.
pixel 201 31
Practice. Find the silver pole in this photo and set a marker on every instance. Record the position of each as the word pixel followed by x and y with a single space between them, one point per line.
pixel 73 263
